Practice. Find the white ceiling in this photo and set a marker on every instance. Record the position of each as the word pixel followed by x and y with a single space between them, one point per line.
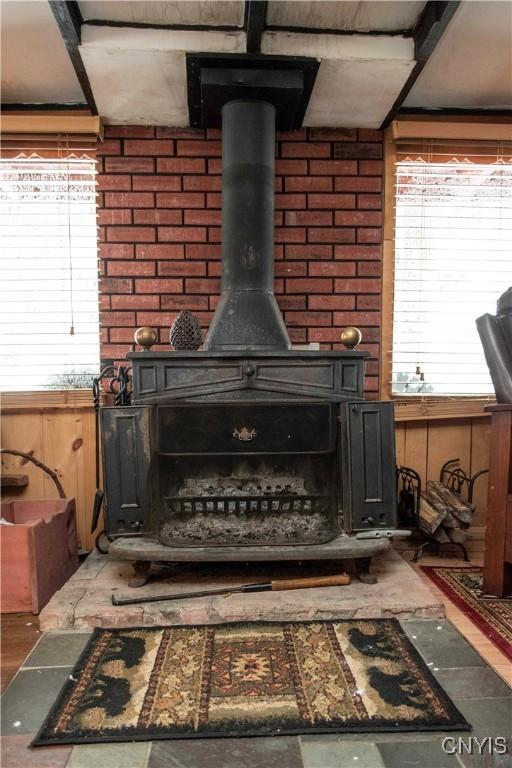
pixel 359 77
pixel 472 64
pixel 368 72
pixel 35 65
pixel 138 74
pixel 217 12
pixel 367 16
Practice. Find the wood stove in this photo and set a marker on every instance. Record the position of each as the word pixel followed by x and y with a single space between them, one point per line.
pixel 248 456
pixel 248 449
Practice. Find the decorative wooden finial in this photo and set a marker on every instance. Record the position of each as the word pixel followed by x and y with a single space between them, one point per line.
pixel 145 337
pixel 350 337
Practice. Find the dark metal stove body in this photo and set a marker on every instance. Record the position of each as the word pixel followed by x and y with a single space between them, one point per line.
pixel 252 450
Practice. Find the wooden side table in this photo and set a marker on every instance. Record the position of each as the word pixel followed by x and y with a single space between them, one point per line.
pixel 498 535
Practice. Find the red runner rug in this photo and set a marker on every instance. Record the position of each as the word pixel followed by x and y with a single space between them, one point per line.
pixel 463 586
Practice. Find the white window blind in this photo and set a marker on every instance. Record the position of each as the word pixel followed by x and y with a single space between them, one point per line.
pixel 453 259
pixel 49 318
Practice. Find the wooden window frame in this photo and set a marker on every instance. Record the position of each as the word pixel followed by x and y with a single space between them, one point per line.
pixel 421 407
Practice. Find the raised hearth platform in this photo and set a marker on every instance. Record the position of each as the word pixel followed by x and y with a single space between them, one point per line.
pixel 340 548
pixel 85 601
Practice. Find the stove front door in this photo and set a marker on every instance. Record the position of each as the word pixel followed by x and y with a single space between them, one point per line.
pixel 368 465
pixel 126 448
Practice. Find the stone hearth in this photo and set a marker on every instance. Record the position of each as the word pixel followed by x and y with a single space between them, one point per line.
pixel 85 601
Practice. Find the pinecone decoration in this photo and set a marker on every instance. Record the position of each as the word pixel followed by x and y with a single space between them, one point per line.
pixel 185 332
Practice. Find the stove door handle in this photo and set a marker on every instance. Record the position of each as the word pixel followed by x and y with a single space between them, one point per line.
pixel 244 434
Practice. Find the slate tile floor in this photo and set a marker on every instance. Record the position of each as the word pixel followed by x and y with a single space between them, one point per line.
pixel 479 693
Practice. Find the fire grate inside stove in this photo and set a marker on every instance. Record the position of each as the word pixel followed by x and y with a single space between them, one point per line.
pixel 255 504
pixel 244 504
pixel 247 520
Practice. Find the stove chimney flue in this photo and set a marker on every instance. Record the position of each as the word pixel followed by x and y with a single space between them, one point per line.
pixel 247 316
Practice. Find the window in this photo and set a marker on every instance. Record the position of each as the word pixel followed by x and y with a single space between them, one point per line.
pixel 453 259
pixel 49 319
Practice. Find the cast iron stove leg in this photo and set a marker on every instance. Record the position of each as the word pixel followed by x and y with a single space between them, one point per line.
pixel 362 565
pixel 141 569
pixel 359 568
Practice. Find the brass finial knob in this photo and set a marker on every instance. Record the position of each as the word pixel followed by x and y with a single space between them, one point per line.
pixel 350 337
pixel 145 337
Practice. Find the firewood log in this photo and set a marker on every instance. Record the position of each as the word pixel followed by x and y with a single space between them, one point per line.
pixel 463 509
pixel 430 518
pixel 452 521
pixel 457 535
pixel 441 536
pixel 436 501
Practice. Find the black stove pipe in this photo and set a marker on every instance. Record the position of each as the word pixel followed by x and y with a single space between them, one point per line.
pixel 247 316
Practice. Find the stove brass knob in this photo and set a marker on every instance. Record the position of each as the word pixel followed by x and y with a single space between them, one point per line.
pixel 350 337
pixel 145 337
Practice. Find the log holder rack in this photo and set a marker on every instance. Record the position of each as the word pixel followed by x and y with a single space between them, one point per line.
pixel 409 488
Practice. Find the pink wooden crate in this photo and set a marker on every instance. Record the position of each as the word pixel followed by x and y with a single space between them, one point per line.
pixel 38 553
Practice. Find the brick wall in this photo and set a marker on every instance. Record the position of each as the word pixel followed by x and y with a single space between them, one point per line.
pixel 159 229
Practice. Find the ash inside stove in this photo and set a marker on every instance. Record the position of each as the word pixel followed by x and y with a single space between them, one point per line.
pixel 269 485
pixel 254 513
pixel 254 504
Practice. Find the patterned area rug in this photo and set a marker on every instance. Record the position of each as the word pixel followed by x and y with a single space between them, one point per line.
pixel 247 679
pixel 464 588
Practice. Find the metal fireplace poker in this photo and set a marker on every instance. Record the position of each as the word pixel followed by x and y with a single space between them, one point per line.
pixel 249 450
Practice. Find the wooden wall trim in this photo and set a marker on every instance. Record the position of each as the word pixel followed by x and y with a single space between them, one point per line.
pixel 454 131
pixel 421 409
pixel 11 402
pixel 52 124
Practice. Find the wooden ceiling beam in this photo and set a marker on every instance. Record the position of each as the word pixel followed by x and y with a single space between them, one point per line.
pixel 154 25
pixel 69 20
pixel 80 106
pixel 255 18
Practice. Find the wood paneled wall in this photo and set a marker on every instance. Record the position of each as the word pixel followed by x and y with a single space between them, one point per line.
pixel 426 445
pixel 62 436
